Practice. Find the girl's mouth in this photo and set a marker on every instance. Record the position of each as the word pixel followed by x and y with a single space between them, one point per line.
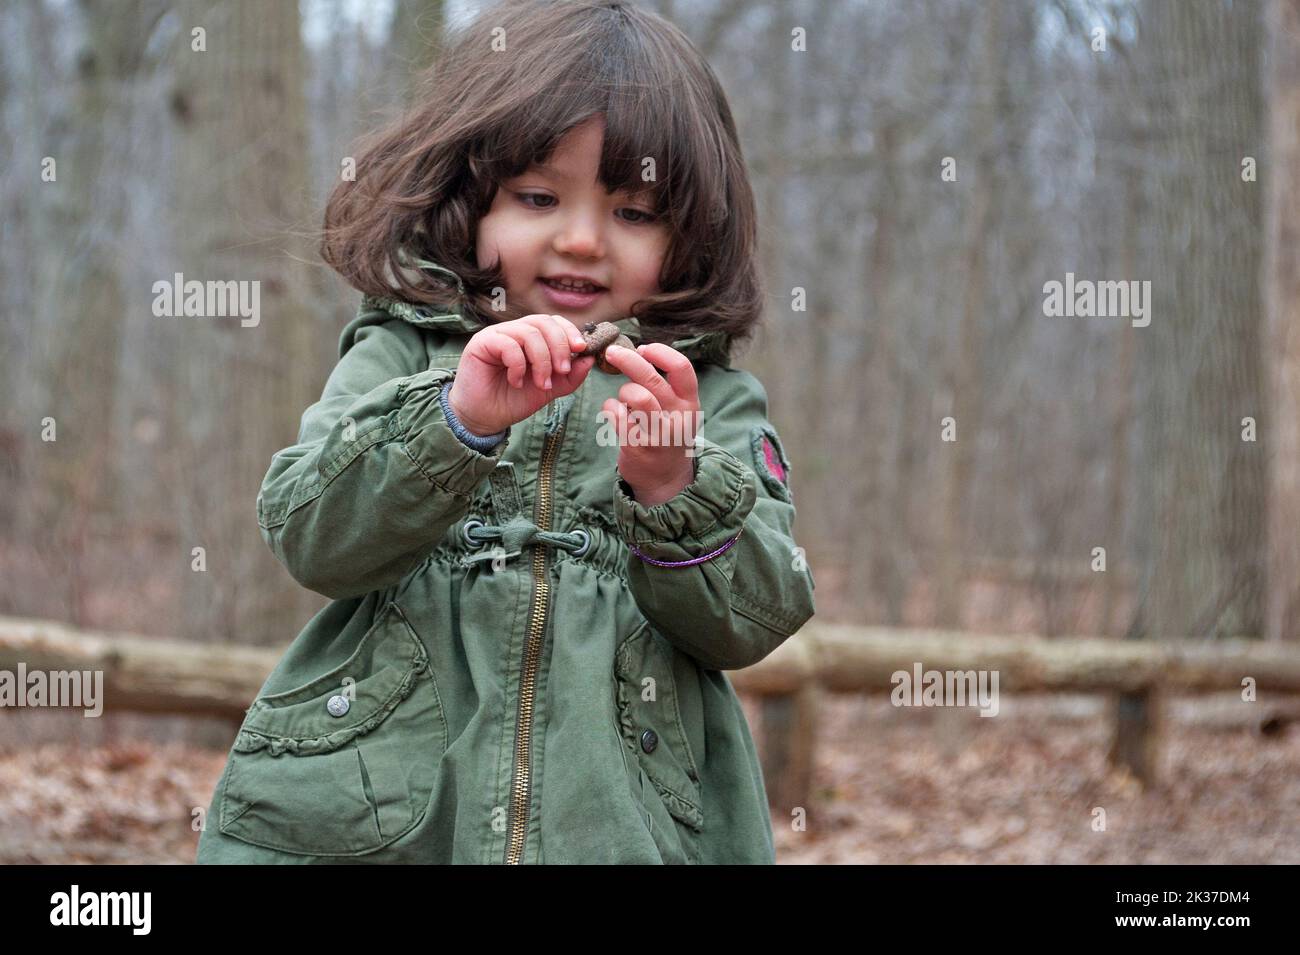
pixel 568 297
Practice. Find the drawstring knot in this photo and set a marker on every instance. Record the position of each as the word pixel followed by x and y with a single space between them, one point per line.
pixel 515 535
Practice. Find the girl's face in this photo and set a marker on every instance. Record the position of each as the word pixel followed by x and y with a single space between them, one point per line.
pixel 557 220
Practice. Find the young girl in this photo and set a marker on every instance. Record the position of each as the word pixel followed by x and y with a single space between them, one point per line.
pixel 535 589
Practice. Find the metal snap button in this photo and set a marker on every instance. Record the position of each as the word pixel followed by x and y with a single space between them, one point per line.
pixel 338 704
pixel 649 740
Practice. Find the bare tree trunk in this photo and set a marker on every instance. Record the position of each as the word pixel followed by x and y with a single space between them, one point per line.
pixel 1282 293
pixel 240 123
pixel 1117 560
pixel 76 474
pixel 773 224
pixel 1200 355
pixel 875 564
pixel 417 33
pixel 965 375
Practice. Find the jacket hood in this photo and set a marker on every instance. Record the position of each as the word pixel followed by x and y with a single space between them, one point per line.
pixel 709 347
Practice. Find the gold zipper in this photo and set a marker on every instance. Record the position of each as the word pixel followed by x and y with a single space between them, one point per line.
pixel 520 790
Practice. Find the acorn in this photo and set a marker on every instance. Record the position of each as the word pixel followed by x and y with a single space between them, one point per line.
pixel 599 336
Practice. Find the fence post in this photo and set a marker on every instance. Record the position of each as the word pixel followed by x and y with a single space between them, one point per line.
pixel 1138 726
pixel 789 731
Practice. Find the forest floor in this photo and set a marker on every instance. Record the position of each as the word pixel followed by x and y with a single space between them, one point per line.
pixel 892 785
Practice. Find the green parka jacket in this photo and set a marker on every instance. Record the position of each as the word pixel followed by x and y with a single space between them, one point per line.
pixel 499 678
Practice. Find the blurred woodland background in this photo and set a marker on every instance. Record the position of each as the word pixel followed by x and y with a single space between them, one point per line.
pixel 1171 154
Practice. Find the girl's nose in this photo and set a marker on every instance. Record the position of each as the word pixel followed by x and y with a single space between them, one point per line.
pixel 580 237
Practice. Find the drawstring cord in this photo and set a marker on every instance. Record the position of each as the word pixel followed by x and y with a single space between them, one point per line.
pixel 519 532
pixel 515 535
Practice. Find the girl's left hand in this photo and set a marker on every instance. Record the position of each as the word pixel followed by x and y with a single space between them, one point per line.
pixel 653 455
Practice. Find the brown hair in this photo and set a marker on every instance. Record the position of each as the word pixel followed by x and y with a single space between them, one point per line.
pixel 423 183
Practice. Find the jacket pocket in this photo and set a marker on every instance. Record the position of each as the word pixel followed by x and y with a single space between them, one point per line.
pixel 345 764
pixel 651 726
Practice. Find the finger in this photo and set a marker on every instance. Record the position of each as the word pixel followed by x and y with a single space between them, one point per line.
pixel 534 344
pixel 572 334
pixel 627 426
pixel 636 396
pixel 680 371
pixel 641 372
pixel 618 414
pixel 556 341
pixel 610 410
pixel 565 383
pixel 620 422
pixel 511 357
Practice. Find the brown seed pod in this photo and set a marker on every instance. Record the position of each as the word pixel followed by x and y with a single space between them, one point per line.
pixel 599 336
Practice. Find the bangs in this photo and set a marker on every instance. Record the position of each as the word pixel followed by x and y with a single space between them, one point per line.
pixel 648 135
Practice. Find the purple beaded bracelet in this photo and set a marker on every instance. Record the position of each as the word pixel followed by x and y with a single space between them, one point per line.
pixel 686 563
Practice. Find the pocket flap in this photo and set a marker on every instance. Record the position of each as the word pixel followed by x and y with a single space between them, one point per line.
pixel 651 708
pixel 379 674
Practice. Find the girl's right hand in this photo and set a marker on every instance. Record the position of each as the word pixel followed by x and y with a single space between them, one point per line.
pixel 503 371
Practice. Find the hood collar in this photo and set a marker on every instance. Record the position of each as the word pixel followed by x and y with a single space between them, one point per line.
pixel 708 346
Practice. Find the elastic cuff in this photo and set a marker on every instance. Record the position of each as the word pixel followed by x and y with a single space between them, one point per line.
pixel 445 460
pixel 484 444
pixel 702 517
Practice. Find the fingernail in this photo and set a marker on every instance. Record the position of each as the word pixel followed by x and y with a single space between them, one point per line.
pixel 548 383
pixel 564 366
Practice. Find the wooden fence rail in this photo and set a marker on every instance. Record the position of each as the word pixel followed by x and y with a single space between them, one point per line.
pixel 1137 674
pixel 146 674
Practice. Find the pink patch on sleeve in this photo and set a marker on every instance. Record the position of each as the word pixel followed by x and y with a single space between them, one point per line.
pixel 773 461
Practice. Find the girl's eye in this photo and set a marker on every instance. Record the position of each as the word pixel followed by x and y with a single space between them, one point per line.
pixel 527 199
pixel 645 216
pixel 525 196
